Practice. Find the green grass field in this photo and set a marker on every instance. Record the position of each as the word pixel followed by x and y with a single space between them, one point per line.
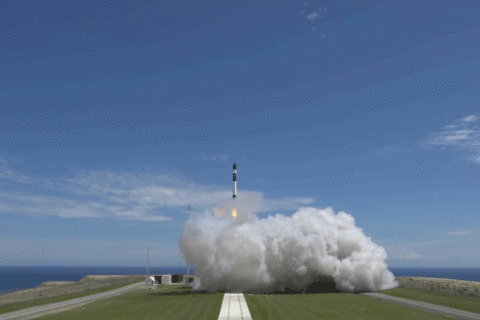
pixel 471 304
pixel 328 306
pixel 38 302
pixel 165 302
pixel 180 302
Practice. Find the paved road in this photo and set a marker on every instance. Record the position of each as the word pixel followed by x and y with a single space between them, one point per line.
pixel 234 307
pixel 440 310
pixel 34 312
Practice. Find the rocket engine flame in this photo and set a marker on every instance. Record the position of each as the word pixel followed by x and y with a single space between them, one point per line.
pixel 234 213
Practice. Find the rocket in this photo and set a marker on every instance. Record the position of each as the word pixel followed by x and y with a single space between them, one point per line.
pixel 234 181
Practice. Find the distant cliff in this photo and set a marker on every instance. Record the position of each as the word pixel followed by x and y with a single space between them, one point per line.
pixel 457 287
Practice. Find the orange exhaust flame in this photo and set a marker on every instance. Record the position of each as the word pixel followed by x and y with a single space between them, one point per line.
pixel 234 213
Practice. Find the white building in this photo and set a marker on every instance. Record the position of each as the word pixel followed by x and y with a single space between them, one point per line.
pixel 150 281
pixel 166 279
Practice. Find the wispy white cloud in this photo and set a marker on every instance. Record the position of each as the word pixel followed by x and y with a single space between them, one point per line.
pixel 29 203
pixel 412 255
pixel 417 244
pixel 87 250
pixel 215 157
pixel 464 134
pixel 123 196
pixel 470 118
pixel 404 251
pixel 450 127
pixel 460 233
pixel 422 244
pixel 451 137
pixel 284 203
pixel 6 173
pixel 312 16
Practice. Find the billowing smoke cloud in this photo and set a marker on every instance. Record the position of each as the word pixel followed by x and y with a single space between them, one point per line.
pixel 245 253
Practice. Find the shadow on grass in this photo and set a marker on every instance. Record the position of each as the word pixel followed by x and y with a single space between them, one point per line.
pixel 181 292
pixel 185 288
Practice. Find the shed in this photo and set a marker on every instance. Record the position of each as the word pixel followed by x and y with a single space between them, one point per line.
pixel 166 279
pixel 150 281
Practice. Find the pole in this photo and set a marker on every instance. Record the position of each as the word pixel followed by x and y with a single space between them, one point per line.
pixel 148 259
pixel 186 259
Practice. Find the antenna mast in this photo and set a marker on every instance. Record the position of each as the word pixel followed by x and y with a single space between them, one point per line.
pixel 148 259
pixel 186 259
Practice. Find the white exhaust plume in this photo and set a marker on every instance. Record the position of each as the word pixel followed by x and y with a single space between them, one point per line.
pixel 243 253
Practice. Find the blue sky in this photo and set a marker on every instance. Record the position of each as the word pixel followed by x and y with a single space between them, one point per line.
pixel 115 116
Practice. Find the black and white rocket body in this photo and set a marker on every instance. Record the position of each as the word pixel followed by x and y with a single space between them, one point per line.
pixel 234 181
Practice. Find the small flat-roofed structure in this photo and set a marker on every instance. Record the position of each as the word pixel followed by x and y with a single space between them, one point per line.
pixel 166 279
pixel 150 281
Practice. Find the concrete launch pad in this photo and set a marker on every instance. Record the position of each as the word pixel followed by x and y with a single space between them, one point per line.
pixel 234 307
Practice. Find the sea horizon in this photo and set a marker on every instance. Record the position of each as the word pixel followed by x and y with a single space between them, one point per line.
pixel 15 278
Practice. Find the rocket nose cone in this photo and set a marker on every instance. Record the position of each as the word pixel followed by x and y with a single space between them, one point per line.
pixel 234 166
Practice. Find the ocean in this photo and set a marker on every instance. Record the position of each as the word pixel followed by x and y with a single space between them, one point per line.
pixel 22 277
